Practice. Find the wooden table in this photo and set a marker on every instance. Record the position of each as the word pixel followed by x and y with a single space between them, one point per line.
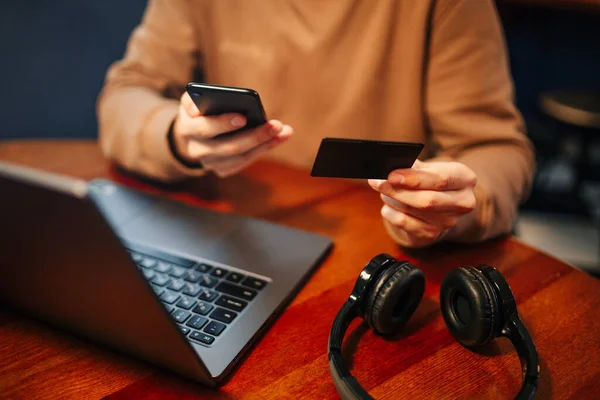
pixel 559 304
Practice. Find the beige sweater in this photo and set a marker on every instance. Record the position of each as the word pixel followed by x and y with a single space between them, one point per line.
pixel 338 68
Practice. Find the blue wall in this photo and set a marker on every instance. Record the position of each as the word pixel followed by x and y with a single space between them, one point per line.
pixel 55 54
pixel 552 49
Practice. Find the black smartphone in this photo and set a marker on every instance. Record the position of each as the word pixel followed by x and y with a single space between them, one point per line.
pixel 216 99
pixel 363 159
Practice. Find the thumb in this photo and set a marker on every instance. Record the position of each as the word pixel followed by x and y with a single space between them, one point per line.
pixel 418 164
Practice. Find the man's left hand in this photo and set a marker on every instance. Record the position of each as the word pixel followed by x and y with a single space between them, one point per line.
pixel 423 202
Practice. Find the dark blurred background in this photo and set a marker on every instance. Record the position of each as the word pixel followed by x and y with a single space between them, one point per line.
pixel 55 54
pixel 54 57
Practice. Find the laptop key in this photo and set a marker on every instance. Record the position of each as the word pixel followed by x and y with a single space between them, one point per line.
pixel 191 289
pixel 149 274
pixel 208 281
pixel 137 257
pixel 235 277
pixel 254 283
pixel 177 272
pixel 207 295
pixel 203 267
pixel 219 272
pixel 231 303
pixel 197 322
pixel 181 316
pixel 202 308
pixel 148 262
pixel 186 302
pixel 169 308
pixel 169 297
pixel 184 329
pixel 237 291
pixel 201 337
pixel 161 279
pixel 176 284
pixel 162 267
pixel 193 276
pixel 223 315
pixel 214 328
pixel 157 289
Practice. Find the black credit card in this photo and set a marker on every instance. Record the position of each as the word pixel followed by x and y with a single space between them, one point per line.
pixel 363 159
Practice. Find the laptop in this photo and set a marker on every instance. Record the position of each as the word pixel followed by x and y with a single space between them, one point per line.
pixel 181 287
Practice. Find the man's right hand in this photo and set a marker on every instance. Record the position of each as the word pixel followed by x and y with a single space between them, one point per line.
pixel 196 139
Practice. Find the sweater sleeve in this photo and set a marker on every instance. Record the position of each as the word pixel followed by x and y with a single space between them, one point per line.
pixel 472 116
pixel 134 112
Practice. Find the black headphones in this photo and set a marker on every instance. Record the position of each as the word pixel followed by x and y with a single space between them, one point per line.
pixel 476 302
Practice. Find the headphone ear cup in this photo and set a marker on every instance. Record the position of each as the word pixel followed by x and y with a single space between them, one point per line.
pixel 394 297
pixel 470 307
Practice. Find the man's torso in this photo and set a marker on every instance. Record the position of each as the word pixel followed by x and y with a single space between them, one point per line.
pixel 342 68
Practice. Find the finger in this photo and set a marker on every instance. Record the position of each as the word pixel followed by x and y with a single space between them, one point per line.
pixel 409 240
pixel 231 165
pixel 413 226
pixel 455 201
pixel 440 176
pixel 418 164
pixel 205 150
pixel 245 141
pixel 189 106
pixel 206 127
pixel 441 220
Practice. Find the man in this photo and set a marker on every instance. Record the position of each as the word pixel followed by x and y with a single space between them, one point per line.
pixel 405 70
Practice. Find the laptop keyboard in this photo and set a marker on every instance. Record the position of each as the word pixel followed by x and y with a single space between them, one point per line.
pixel 202 299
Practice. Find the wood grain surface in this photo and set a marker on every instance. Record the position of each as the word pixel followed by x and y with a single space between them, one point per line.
pixel 559 304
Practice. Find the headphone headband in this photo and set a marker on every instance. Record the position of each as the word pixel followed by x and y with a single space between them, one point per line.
pixel 516 332
pixel 345 383
pixel 351 308
pixel 518 335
